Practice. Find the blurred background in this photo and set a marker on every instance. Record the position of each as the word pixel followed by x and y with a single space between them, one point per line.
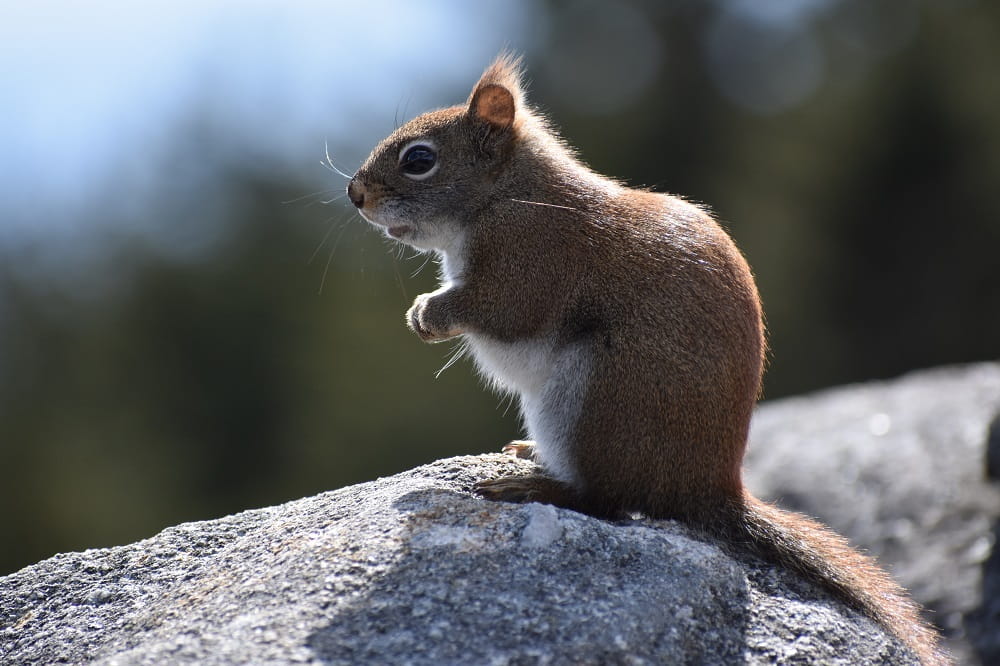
pixel 192 321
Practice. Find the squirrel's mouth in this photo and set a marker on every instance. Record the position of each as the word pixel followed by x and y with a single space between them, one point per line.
pixel 399 230
pixel 393 230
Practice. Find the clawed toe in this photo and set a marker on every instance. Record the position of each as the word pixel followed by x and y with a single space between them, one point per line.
pixel 520 449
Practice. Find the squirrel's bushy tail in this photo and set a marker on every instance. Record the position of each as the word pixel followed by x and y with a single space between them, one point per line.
pixel 824 557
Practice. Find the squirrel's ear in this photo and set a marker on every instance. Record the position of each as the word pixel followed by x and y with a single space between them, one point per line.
pixel 494 104
pixel 497 96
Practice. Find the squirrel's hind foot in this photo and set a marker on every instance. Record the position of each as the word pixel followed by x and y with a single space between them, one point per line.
pixel 527 488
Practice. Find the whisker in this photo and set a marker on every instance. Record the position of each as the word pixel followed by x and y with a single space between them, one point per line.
pixel 406 104
pixel 422 265
pixel 340 196
pixel 399 280
pixel 333 167
pixel 539 203
pixel 329 259
pixel 416 253
pixel 510 403
pixel 395 116
pixel 306 196
pixel 326 237
pixel 456 352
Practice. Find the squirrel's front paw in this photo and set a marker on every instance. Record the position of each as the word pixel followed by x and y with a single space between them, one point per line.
pixel 421 321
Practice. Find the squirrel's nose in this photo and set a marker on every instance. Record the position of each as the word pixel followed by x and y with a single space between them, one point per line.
pixel 356 193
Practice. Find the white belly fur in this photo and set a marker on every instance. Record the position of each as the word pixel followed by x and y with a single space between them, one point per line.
pixel 551 384
pixel 513 367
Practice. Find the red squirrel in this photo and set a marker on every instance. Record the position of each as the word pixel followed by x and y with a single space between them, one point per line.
pixel 626 321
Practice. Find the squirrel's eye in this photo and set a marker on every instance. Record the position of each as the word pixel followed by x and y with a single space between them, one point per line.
pixel 418 160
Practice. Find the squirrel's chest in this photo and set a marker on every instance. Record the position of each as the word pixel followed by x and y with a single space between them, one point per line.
pixel 520 367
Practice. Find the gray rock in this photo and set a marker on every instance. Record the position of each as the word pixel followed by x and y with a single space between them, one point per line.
pixel 900 469
pixel 413 569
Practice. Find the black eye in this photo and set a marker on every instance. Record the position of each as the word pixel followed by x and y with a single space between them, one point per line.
pixel 418 160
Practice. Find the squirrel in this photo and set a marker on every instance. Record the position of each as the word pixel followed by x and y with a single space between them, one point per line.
pixel 626 321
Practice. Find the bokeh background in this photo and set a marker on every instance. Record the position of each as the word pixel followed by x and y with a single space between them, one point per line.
pixel 192 321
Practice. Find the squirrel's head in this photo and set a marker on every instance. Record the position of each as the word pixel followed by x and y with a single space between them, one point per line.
pixel 422 181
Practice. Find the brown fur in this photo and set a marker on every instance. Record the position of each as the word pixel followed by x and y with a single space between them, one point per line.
pixel 652 291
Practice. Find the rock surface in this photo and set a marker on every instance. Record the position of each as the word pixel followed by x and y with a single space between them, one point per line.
pixel 414 569
pixel 900 468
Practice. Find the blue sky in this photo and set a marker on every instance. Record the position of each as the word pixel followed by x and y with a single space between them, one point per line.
pixel 93 91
